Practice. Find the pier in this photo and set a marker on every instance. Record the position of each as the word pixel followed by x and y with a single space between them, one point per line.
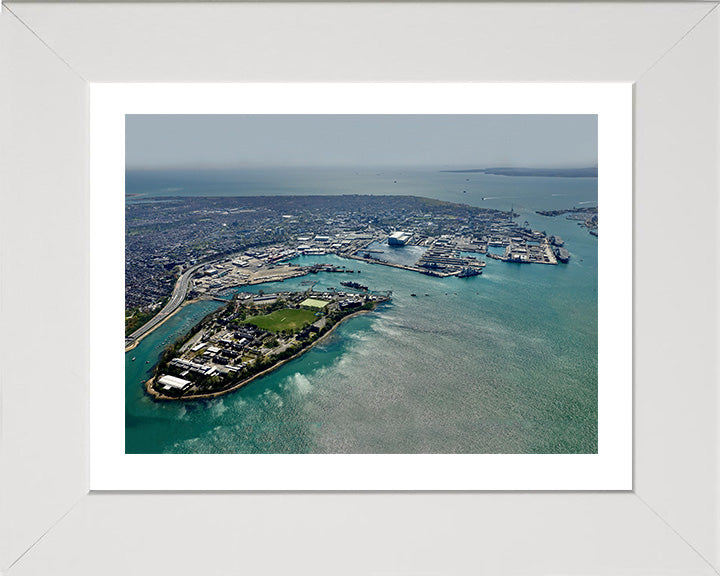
pixel 401 266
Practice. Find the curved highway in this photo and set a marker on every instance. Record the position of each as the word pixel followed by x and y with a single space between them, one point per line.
pixel 177 298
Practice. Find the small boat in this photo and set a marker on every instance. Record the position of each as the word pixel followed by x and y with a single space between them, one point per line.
pixel 147 361
pixel 133 359
pixel 413 295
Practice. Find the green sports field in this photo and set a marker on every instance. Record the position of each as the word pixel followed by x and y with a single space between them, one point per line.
pixel 284 319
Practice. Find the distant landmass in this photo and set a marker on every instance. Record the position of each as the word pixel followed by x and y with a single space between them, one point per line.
pixel 590 172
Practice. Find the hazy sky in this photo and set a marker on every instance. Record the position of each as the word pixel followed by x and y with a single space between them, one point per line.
pixel 473 141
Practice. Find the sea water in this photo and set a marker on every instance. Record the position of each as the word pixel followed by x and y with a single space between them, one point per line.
pixel 504 362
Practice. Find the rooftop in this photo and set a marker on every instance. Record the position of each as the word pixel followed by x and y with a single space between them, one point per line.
pixel 314 303
pixel 173 382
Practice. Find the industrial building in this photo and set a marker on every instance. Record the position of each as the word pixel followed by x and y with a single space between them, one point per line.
pixel 172 382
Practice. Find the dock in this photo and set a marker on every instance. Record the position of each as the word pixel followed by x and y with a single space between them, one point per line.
pixel 400 266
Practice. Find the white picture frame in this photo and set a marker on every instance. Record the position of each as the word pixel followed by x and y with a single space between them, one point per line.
pixel 668 523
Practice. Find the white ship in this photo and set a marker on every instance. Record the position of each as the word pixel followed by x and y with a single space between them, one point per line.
pixel 399 238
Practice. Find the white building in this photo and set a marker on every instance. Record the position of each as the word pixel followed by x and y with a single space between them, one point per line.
pixel 169 382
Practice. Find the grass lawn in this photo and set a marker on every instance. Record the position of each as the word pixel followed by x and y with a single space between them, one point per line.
pixel 284 319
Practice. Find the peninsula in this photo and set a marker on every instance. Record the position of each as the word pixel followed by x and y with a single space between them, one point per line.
pixel 589 172
pixel 249 337
pixel 586 216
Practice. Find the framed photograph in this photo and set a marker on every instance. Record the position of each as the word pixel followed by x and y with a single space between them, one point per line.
pixel 612 407
pixel 209 359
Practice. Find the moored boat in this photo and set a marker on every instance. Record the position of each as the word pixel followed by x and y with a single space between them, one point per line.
pixel 468 271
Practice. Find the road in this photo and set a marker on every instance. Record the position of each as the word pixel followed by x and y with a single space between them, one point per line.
pixel 177 298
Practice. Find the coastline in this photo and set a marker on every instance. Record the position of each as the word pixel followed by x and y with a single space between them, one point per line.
pixel 296 274
pixel 137 340
pixel 157 396
pixel 253 282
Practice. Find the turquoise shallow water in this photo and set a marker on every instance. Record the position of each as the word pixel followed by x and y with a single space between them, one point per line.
pixel 505 362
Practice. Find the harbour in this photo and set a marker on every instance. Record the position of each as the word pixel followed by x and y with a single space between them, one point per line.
pixel 471 330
